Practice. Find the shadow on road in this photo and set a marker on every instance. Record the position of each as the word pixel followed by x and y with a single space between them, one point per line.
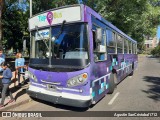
pixel 155 58
pixel 154 89
pixel 64 107
pixel 20 93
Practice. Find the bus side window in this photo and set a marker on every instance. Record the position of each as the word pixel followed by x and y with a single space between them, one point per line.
pixel 130 47
pixel 111 41
pixel 125 46
pixel 94 40
pixel 119 44
pixel 96 56
pixel 99 56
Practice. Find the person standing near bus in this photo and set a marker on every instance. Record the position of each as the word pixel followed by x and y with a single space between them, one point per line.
pixel 19 66
pixel 2 59
pixel 6 80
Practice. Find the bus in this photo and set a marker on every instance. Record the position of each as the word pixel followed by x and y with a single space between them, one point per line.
pixel 77 56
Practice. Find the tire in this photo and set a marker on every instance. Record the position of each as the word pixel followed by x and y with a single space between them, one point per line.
pixel 111 84
pixel 131 74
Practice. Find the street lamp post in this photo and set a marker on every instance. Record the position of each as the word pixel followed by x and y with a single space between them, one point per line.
pixel 30 7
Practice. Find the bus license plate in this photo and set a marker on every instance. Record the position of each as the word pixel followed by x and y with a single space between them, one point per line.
pixel 52 87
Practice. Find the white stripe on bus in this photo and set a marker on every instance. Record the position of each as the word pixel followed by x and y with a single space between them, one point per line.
pixel 61 94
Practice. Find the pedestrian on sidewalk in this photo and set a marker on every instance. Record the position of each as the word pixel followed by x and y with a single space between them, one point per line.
pixel 2 59
pixel 20 67
pixel 6 81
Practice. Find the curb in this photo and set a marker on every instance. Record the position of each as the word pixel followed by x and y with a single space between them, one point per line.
pixel 15 105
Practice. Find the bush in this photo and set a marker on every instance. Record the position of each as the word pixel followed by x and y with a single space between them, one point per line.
pixel 156 51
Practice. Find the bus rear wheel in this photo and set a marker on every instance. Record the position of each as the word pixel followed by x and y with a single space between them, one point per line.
pixel 131 74
pixel 111 84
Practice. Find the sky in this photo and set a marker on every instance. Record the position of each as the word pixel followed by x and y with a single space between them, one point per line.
pixel 158 32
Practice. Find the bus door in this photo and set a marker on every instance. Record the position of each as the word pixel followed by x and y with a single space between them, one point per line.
pixel 98 84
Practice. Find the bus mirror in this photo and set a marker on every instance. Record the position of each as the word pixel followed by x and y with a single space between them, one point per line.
pixel 101 48
pixel 98 35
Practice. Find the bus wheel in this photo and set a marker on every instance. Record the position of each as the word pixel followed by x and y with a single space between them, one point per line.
pixel 111 84
pixel 131 74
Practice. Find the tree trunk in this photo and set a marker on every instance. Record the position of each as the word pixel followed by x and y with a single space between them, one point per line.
pixel 1 10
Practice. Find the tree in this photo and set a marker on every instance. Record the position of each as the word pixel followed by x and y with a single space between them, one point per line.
pixel 15 24
pixel 1 11
pixel 137 18
pixel 156 51
pixel 42 5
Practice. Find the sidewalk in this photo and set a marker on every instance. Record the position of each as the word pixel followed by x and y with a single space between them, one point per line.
pixel 19 93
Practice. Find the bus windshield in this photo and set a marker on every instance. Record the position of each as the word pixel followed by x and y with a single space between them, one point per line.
pixel 72 43
pixel 69 44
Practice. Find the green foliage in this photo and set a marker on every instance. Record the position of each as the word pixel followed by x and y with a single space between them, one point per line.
pixel 42 5
pixel 156 51
pixel 1 11
pixel 137 18
pixel 14 25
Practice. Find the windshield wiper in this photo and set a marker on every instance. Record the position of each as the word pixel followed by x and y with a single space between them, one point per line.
pixel 60 32
pixel 42 38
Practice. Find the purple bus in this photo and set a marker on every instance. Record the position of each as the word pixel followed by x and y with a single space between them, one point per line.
pixel 77 57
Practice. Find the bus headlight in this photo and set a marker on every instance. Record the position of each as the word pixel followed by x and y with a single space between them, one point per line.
pixel 78 80
pixel 32 76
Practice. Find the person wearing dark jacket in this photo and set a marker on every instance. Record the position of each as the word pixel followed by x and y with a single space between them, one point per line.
pixel 6 80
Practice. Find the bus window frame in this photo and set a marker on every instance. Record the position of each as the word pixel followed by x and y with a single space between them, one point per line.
pixel 33 45
pixel 130 47
pixel 122 44
pixel 134 48
pixel 126 49
pixel 33 41
pixel 104 36
pixel 114 39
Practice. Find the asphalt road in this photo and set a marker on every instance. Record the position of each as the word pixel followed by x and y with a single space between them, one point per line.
pixel 141 92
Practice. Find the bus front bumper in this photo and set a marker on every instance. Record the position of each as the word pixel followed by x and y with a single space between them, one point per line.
pixel 60 99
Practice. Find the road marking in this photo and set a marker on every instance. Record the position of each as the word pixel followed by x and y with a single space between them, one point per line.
pixel 112 100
